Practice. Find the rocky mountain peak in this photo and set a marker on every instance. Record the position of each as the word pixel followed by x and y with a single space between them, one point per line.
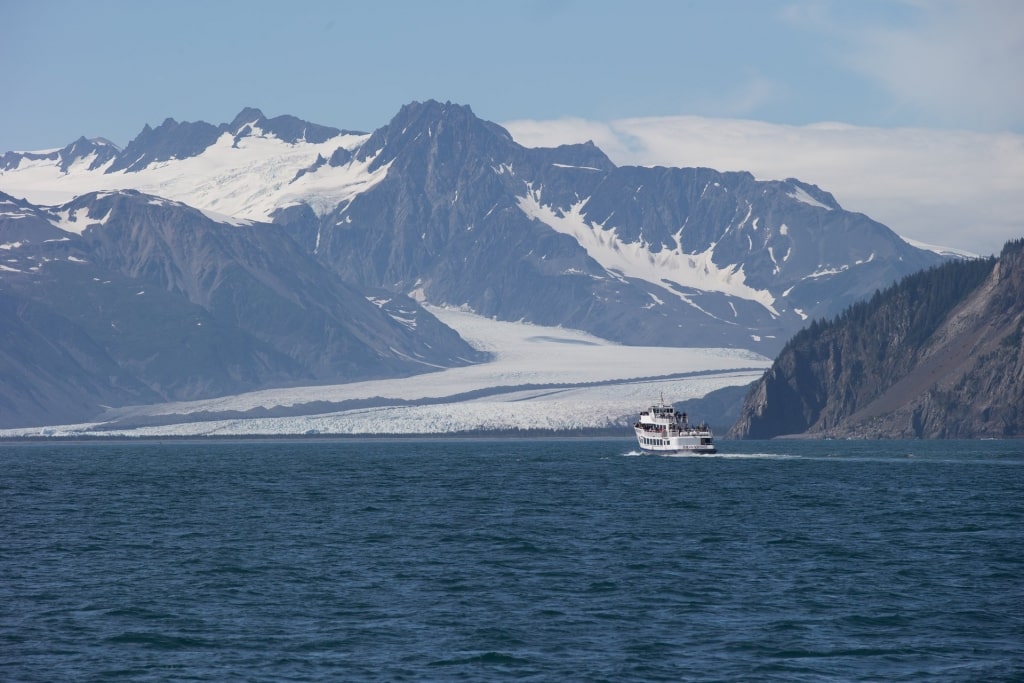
pixel 432 127
pixel 169 140
pixel 288 128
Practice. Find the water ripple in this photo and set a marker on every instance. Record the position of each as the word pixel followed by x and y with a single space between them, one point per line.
pixel 519 559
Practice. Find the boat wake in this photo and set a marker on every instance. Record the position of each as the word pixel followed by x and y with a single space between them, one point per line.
pixel 760 456
pixel 724 456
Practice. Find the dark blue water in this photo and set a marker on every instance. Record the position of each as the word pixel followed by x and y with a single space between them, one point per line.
pixel 475 560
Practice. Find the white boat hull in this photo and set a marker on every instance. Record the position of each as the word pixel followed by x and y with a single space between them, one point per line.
pixel 661 429
pixel 654 442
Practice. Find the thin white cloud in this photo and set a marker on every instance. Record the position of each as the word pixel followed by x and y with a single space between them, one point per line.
pixel 963 61
pixel 947 63
pixel 951 188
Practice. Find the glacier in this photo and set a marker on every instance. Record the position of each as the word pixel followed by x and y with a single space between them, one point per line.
pixel 539 378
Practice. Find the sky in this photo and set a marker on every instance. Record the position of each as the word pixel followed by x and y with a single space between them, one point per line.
pixel 911 111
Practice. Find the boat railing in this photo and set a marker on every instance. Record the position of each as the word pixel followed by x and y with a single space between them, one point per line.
pixel 671 429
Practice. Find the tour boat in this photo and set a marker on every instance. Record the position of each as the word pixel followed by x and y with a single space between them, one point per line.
pixel 662 429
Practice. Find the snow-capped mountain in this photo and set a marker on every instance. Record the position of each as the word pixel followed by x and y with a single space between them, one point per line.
pixel 467 217
pixel 121 297
pixel 446 207
pixel 260 227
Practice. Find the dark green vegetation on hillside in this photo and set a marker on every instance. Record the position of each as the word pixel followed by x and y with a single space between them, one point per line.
pixel 937 355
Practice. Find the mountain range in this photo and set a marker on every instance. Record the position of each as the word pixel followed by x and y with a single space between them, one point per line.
pixel 206 260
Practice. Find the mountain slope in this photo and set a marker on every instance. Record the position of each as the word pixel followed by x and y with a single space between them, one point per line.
pixel 940 355
pixel 155 301
pixel 53 371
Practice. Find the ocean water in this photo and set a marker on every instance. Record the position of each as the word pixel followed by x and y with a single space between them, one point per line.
pixel 518 559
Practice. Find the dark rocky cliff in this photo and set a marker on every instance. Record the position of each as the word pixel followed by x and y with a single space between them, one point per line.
pixel 939 355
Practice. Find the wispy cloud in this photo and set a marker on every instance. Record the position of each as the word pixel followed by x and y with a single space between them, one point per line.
pixel 948 63
pixel 963 61
pixel 945 187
